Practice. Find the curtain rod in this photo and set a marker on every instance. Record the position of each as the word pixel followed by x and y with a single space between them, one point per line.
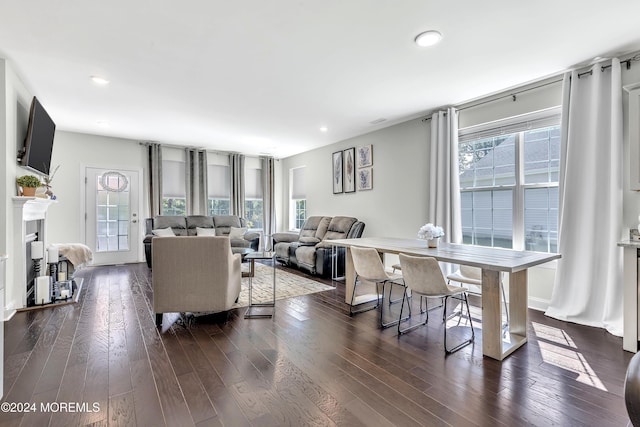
pixel 604 67
pixel 512 95
pixel 182 147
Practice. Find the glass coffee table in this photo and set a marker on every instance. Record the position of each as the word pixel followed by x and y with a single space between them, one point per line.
pixel 243 255
pixel 254 309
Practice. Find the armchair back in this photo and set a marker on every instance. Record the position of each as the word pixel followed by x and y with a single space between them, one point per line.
pixel 194 274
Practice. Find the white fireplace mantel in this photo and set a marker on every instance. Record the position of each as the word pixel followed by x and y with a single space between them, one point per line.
pixel 24 209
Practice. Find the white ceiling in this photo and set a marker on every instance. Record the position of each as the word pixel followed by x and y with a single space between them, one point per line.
pixel 262 76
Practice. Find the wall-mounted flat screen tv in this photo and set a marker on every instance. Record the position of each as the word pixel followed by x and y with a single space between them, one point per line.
pixel 38 144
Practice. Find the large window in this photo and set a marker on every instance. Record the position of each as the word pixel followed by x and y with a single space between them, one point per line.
pixel 253 197
pixel 509 182
pixel 298 201
pixel 174 193
pixel 219 190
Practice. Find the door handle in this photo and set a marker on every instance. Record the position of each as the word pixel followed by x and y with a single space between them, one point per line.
pixel 134 221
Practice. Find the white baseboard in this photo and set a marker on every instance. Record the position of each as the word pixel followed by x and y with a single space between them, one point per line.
pixel 538 303
pixel 9 313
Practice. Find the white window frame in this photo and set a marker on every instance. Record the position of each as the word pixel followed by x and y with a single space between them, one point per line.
pixel 514 125
pixel 292 201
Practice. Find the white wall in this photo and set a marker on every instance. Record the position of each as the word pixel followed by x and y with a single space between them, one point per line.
pixel 15 100
pixel 73 152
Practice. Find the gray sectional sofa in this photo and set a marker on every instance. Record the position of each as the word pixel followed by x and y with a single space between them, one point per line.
pixel 188 225
pixel 310 249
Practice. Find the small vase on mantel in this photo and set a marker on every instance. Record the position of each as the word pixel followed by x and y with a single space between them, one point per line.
pixel 433 243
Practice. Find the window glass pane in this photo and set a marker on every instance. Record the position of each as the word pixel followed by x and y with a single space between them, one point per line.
pixel 123 242
pixel 541 219
pixel 541 155
pixel 487 218
pixel 487 162
pixel 218 206
pixel 253 213
pixel 174 206
pixel 300 213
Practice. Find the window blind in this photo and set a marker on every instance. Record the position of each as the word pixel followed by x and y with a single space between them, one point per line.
pixel 537 120
pixel 252 184
pixel 218 183
pixel 298 185
pixel 173 179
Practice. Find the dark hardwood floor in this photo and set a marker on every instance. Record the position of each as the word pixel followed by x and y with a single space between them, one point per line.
pixel 310 365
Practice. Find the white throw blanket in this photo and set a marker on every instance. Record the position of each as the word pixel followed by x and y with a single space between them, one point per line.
pixel 77 253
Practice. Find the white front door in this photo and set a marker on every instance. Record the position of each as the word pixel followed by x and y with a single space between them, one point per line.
pixel 112 225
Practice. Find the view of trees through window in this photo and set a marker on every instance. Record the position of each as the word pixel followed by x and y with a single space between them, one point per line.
pixel 300 213
pixel 218 207
pixel 174 206
pixel 253 213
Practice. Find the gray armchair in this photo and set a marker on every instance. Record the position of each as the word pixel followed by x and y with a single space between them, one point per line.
pixel 194 274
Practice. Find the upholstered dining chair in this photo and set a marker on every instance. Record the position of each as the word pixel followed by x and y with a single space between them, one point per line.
pixel 632 390
pixel 473 276
pixel 369 267
pixel 423 276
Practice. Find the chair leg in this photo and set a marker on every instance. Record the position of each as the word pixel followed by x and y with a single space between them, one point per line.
pixel 384 325
pixel 464 343
pixel 353 296
pixel 410 328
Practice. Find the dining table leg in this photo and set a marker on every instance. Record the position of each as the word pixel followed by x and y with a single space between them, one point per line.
pixel 497 343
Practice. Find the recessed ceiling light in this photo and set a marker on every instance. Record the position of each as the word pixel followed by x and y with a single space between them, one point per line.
pixel 428 38
pixel 99 80
pixel 324 129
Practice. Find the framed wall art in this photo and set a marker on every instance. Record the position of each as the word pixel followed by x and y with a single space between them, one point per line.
pixel 365 156
pixel 336 160
pixel 365 179
pixel 349 156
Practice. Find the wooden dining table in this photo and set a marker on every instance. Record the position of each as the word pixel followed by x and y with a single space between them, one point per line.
pixel 492 261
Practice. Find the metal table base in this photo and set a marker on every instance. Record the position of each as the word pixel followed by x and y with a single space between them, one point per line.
pixel 250 313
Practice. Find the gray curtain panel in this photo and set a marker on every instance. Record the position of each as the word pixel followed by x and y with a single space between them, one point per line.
pixel 196 181
pixel 236 163
pixel 154 159
pixel 268 200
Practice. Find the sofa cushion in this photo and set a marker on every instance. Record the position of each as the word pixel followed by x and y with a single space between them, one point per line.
pixel 339 227
pixel 177 223
pixel 240 243
pixel 237 232
pixel 306 255
pixel 309 241
pixel 282 250
pixel 312 225
pixel 223 223
pixel 163 232
pixel 205 231
pixel 195 221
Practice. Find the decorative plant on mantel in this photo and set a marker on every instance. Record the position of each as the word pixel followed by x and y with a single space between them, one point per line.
pixel 47 182
pixel 29 183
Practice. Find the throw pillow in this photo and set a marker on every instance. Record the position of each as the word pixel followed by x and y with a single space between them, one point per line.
pixel 163 232
pixel 237 233
pixel 205 231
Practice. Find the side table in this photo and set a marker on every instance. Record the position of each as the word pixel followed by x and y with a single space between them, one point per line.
pixel 252 257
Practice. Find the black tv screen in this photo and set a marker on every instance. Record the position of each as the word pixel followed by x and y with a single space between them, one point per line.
pixel 38 144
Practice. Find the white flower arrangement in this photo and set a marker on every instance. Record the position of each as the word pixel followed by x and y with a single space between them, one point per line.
pixel 430 231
